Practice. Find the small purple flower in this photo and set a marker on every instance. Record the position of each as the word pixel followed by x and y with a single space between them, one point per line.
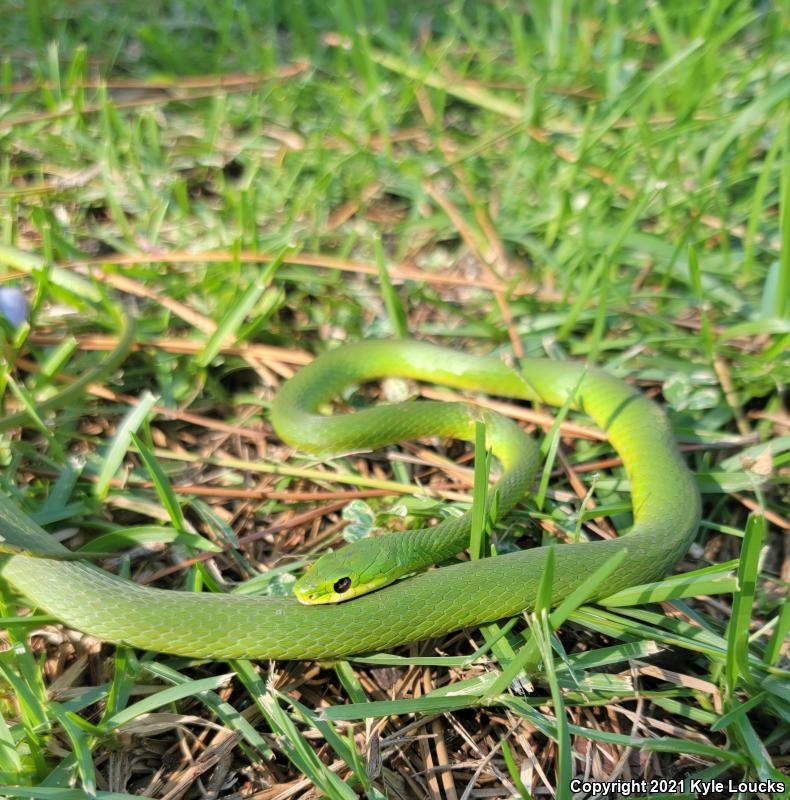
pixel 13 305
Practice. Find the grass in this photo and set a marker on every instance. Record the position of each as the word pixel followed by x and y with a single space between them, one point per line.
pixel 258 182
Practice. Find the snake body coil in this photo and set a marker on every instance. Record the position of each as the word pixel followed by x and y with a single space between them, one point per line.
pixel 665 501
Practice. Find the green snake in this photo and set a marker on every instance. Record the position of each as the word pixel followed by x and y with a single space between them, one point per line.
pixel 666 512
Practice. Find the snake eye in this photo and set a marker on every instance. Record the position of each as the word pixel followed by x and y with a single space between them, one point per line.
pixel 343 585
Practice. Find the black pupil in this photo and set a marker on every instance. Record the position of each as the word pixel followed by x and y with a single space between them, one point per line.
pixel 343 585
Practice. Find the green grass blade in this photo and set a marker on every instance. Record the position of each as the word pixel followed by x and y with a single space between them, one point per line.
pixel 77 388
pixel 738 710
pixel 544 593
pixel 294 745
pixel 392 302
pixel 161 484
pixel 477 534
pixel 754 113
pixel 68 279
pixel 33 708
pixel 342 747
pixel 779 635
pixel 170 695
pixel 670 590
pixel 696 284
pixel 29 406
pixel 541 633
pixel 738 627
pixel 142 535
pixel 376 709
pixel 514 773
pixel 603 656
pixel 528 656
pixel 757 206
pixel 117 448
pixel 81 748
pixel 551 443
pixel 227 327
pixel 782 296
pixel 350 682
pixel 10 762
pixel 228 715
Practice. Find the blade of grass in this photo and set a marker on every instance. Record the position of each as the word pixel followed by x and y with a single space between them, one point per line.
pixel 514 773
pixel 551 443
pixel 77 388
pixel 161 484
pixel 142 535
pixel 229 324
pixel 10 762
pixel 126 667
pixel 81 748
pixel 344 748
pixel 227 714
pixel 603 656
pixel 603 263
pixel 350 682
pixel 696 283
pixel 116 451
pixel 30 263
pixel 33 708
pixel 541 634
pixel 392 302
pixel 393 660
pixel 670 590
pixel 548 727
pixel 172 694
pixel 757 210
pixel 529 655
pixel 779 636
pixel 477 534
pixel 387 708
pixel 738 628
pixel 29 406
pixel 782 297
pixel 738 709
pixel 754 113
pixel 544 593
pixel 292 743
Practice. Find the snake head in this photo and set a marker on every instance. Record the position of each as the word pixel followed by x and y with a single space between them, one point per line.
pixel 354 570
